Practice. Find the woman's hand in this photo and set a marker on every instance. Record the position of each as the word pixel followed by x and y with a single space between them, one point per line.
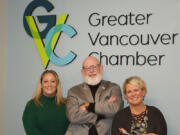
pixel 149 134
pixel 122 130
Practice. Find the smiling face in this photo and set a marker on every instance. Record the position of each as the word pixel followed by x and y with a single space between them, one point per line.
pixel 92 71
pixel 49 85
pixel 134 94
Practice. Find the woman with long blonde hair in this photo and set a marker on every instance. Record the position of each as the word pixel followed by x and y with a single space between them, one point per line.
pixel 45 114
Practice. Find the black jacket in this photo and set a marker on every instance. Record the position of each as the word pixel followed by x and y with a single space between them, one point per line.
pixel 156 122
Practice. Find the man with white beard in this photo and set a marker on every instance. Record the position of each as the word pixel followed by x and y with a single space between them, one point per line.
pixel 92 105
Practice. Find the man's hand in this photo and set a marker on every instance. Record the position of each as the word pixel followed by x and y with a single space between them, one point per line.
pixel 84 106
pixel 112 99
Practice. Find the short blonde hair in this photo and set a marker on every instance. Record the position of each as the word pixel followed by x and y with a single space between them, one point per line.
pixel 59 98
pixel 135 80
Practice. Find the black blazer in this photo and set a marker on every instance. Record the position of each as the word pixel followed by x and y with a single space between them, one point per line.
pixel 156 122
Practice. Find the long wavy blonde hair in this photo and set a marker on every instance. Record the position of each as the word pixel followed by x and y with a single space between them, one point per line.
pixel 59 99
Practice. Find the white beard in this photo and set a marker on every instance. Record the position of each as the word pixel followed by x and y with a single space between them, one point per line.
pixel 93 81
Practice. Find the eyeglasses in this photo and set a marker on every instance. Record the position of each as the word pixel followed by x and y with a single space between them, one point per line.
pixel 94 67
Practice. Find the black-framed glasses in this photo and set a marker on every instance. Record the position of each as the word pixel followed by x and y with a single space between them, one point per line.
pixel 94 67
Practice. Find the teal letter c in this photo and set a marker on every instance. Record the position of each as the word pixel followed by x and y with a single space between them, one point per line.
pixel 57 60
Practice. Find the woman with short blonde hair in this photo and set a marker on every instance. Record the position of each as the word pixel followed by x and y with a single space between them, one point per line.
pixel 135 80
pixel 138 118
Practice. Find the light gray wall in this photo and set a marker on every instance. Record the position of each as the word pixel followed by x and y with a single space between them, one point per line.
pixel 24 64
pixel 3 44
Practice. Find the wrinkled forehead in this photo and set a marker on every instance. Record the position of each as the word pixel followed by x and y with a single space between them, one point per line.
pixel 90 61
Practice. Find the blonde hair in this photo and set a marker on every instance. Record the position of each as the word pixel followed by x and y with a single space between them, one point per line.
pixel 58 97
pixel 135 80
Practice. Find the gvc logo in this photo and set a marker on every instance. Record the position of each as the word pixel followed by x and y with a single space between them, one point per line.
pixel 51 33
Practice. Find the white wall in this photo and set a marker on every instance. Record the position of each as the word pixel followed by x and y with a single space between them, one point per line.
pixel 24 64
pixel 3 44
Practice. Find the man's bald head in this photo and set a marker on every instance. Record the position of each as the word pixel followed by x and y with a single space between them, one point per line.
pixel 90 60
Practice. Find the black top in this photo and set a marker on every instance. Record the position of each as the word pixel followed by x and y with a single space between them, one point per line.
pixel 93 89
pixel 91 108
pixel 155 124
